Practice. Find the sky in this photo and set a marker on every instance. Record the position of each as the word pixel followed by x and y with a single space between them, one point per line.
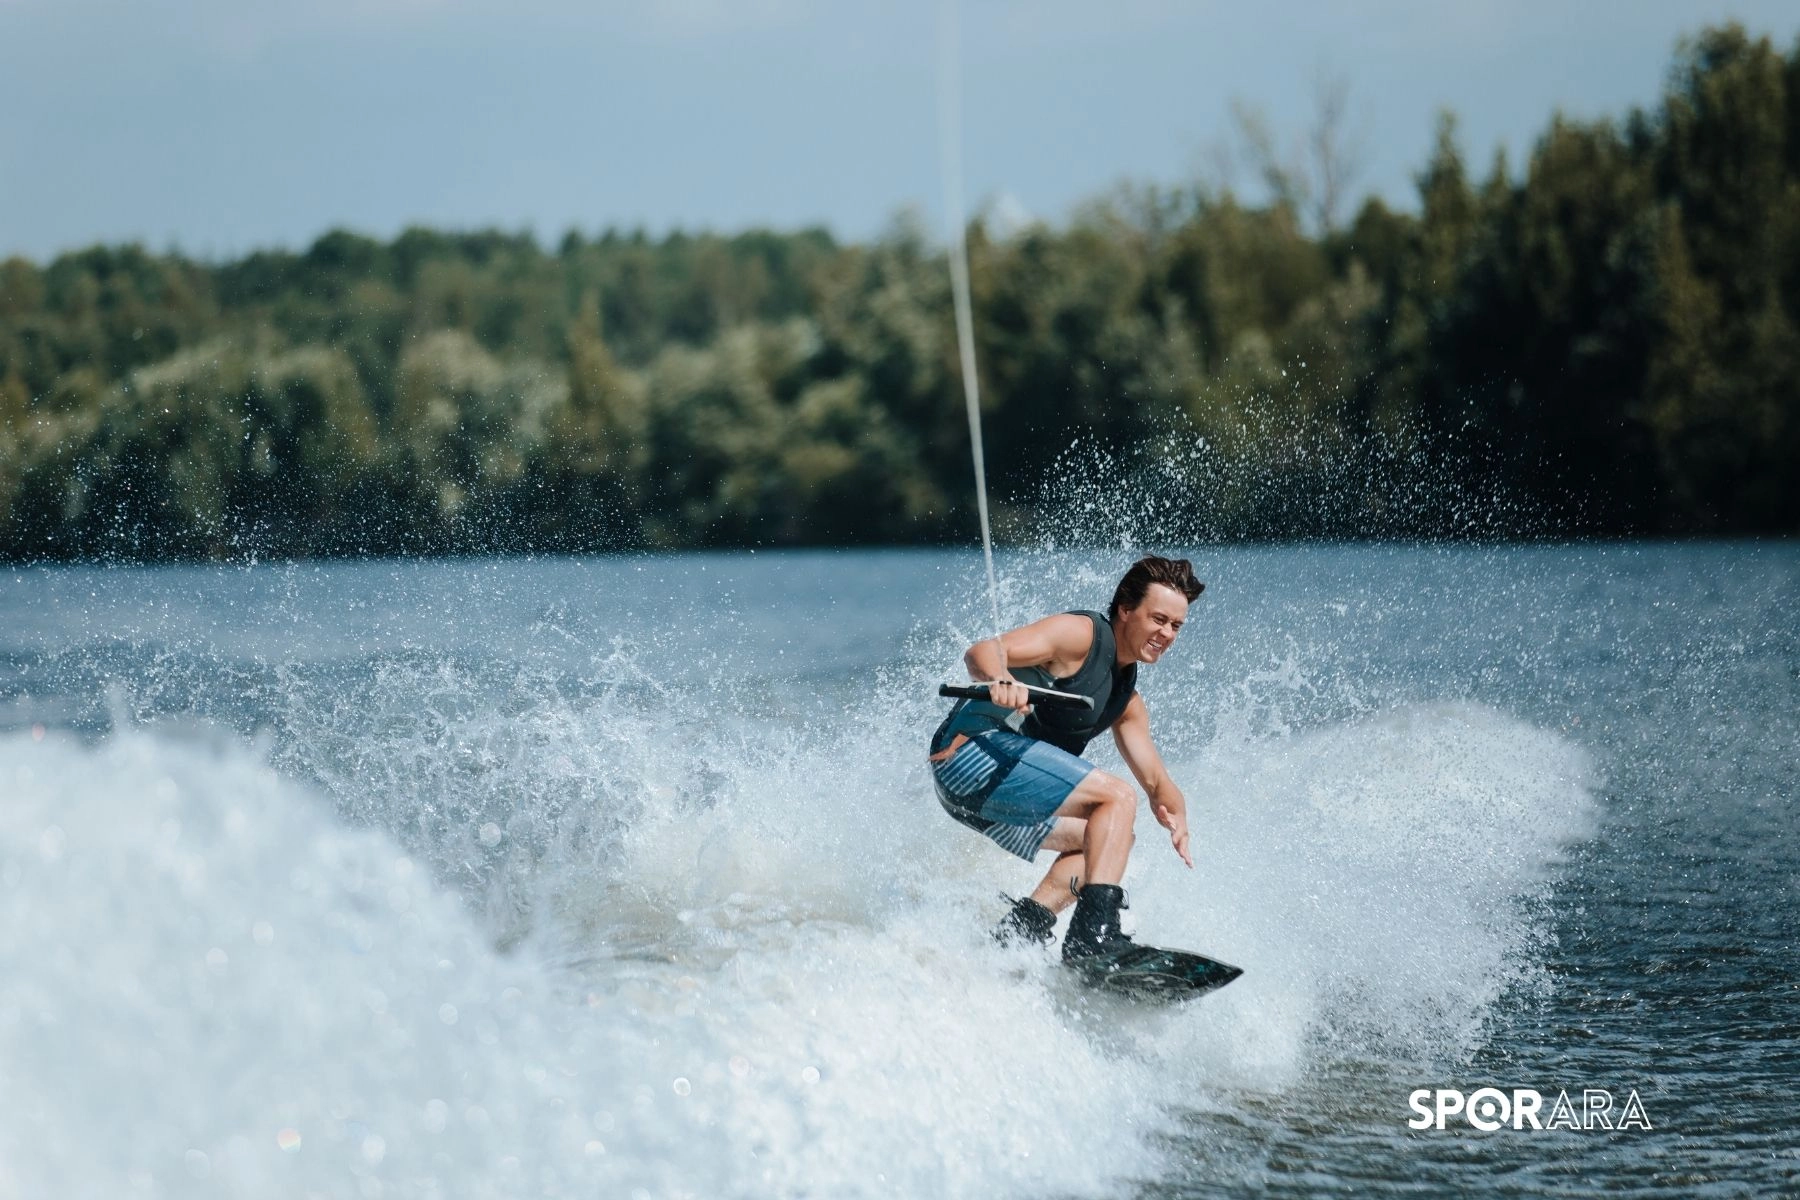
pixel 221 126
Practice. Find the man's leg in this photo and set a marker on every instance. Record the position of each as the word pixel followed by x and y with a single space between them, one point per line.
pixel 1034 918
pixel 1065 876
pixel 1091 836
pixel 1106 806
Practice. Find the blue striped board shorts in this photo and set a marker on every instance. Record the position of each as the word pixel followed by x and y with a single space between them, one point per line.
pixel 1007 787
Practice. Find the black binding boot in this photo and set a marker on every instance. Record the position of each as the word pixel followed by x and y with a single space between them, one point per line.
pixel 1094 931
pixel 1026 921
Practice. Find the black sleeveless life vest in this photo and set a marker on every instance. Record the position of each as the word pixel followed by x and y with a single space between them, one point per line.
pixel 1109 685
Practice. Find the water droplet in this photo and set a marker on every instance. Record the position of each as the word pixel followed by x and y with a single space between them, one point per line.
pixel 810 1075
pixel 683 1087
pixel 447 1013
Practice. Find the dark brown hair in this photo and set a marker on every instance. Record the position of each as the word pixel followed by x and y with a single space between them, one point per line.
pixel 1177 573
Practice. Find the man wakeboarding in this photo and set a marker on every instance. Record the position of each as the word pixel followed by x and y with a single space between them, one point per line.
pixel 1013 771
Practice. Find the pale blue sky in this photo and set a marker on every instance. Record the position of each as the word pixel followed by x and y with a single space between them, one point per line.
pixel 223 125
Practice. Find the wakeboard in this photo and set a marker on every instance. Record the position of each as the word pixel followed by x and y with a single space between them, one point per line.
pixel 1152 973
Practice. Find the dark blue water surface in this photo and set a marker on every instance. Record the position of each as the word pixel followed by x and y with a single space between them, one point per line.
pixel 1520 817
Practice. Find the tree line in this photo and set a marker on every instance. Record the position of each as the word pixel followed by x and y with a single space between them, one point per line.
pixel 1605 342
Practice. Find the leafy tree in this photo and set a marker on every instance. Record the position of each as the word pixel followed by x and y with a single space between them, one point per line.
pixel 1606 342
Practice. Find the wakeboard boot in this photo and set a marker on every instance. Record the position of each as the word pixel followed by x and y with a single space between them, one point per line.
pixel 1026 921
pixel 1094 936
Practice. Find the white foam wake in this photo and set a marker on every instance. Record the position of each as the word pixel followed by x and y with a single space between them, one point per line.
pixel 213 985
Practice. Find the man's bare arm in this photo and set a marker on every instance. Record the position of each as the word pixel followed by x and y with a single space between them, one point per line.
pixel 1052 643
pixel 1131 733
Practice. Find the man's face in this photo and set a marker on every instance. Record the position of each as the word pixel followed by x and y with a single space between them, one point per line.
pixel 1150 628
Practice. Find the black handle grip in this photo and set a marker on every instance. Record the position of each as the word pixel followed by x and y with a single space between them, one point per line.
pixel 979 691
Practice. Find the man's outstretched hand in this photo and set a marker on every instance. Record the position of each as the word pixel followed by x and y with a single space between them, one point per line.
pixel 1178 832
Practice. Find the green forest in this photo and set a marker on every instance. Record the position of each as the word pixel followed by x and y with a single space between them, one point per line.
pixel 1600 340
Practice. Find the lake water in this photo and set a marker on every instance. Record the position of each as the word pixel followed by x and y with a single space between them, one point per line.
pixel 623 877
